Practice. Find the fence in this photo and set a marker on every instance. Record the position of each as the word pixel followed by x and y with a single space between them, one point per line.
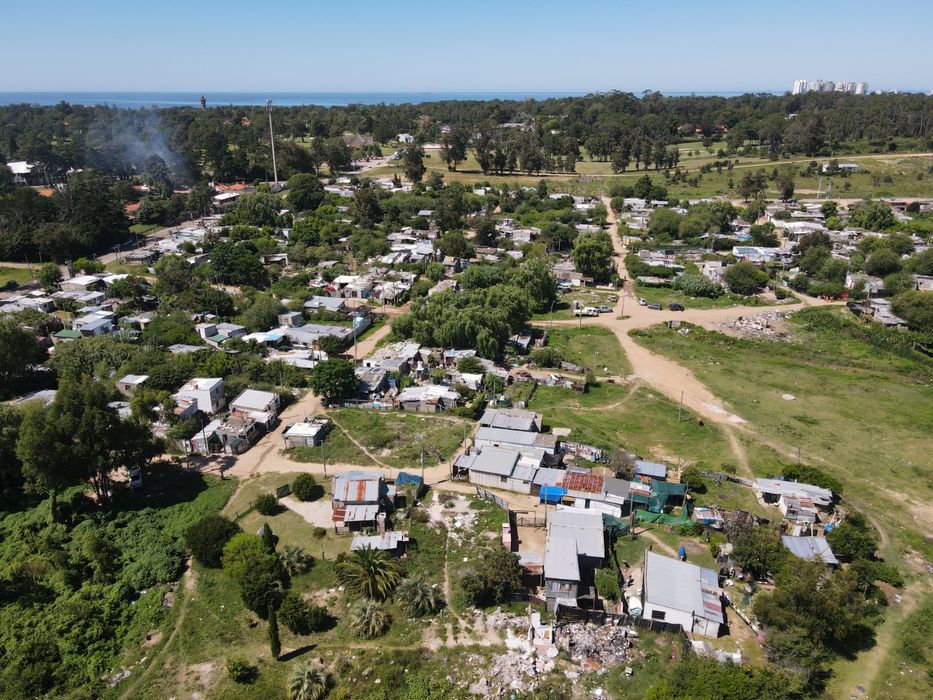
pixel 567 615
pixel 719 476
pixel 529 519
pixel 370 405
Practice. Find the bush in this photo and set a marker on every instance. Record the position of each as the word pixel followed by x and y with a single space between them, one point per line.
pixel 607 584
pixel 294 614
pixel 266 504
pixel 305 488
pixel 546 357
pixel 698 286
pixel 241 671
pixel 812 475
pixel 319 533
pixel 206 538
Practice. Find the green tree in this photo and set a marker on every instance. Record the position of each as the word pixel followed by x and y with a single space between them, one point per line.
pixel 454 146
pixel 49 275
pixel 759 552
pixel 744 278
pixel 307 681
pixel 916 308
pixel 882 262
pixel 237 264
pixel 486 232
pixel 305 487
pixel 872 215
pixel 453 244
pixel 260 208
pixel 365 206
pixel 305 192
pixel 412 158
pixel 19 352
pixel 369 573
pixel 275 644
pixel 470 365
pixel 368 619
pixel 207 537
pixel 417 597
pixel 334 379
pixel 786 184
pixel 664 224
pixel 592 255
pixel 262 314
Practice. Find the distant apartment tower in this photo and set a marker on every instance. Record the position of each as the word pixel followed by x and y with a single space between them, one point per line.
pixel 861 89
pixel 843 86
pixel 800 87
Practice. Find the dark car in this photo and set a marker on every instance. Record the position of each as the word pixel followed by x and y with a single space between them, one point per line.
pixel 675 307
pixel 656 307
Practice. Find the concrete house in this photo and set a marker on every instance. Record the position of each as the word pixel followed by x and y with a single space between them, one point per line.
pixel 126 385
pixel 502 468
pixel 306 434
pixel 259 406
pixel 681 593
pixel 518 439
pixel 207 394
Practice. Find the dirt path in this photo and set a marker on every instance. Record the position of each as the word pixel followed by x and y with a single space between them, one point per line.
pixel 361 446
pixel 188 585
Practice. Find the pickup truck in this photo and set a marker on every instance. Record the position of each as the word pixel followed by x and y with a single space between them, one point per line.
pixel 585 311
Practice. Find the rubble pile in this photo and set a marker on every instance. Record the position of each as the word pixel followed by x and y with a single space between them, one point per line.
pixel 514 671
pixel 765 324
pixel 603 645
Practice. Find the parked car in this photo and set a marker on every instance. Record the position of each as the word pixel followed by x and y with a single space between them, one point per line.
pixel 655 307
pixel 604 309
pixel 642 301
pixel 675 307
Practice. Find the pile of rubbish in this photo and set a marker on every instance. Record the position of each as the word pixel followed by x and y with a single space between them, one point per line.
pixel 767 323
pixel 513 672
pixel 602 645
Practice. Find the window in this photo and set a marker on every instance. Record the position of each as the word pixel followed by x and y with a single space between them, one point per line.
pixel 504 479
pixel 657 614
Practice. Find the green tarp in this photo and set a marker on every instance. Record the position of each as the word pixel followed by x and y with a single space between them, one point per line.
pixel 613 525
pixel 648 517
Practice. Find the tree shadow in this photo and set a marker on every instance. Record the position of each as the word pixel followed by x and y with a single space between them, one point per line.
pixel 296 653
pixel 164 484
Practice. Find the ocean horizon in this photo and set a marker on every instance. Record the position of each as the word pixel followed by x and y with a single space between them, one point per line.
pixel 136 100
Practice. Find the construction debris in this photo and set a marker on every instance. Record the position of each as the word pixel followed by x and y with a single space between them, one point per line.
pixel 770 324
pixel 596 646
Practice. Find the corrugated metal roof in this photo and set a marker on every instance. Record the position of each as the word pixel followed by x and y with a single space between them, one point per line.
pixel 356 487
pixel 492 460
pixel 360 514
pixel 584 526
pixel 560 559
pixel 652 469
pixel 810 548
pixel 388 541
pixel 679 585
pixel 510 419
pixel 546 476
pixel 795 488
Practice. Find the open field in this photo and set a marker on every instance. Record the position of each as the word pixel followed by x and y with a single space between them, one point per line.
pixel 587 297
pixel 666 295
pixel 590 346
pixel 863 413
pixel 397 439
pixel 338 449
pixel 19 275
pixel 633 417
pixel 882 175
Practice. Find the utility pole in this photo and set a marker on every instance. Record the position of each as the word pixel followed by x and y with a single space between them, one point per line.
pixel 680 408
pixel 323 458
pixel 275 170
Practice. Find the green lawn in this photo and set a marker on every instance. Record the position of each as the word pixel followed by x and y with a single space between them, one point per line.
pixel 637 419
pixel 338 449
pixel 19 275
pixel 591 346
pixel 587 297
pixel 142 229
pixel 397 438
pixel 121 268
pixel 863 412
pixel 666 295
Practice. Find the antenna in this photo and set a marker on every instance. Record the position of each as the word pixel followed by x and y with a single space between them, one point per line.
pixel 275 170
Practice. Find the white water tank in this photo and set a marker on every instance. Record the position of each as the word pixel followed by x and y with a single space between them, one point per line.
pixel 634 607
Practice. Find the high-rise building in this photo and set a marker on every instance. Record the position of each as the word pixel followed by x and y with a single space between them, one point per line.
pixel 800 87
pixel 861 89
pixel 844 86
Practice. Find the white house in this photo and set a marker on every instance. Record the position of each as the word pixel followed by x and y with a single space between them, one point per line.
pixel 206 393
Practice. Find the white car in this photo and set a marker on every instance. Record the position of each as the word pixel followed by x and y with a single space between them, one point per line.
pixel 642 301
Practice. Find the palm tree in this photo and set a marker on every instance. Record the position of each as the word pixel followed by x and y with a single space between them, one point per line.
pixel 417 597
pixel 368 572
pixel 295 559
pixel 308 681
pixel 368 619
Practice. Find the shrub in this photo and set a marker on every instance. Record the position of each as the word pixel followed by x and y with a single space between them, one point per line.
pixel 308 681
pixel 698 286
pixel 261 592
pixel 295 560
pixel 241 671
pixel 417 597
pixel 294 614
pixel 319 533
pixel 607 584
pixel 546 357
pixel 305 488
pixel 266 504
pixel 206 538
pixel 368 619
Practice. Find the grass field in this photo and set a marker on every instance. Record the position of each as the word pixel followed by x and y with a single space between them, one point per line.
pixel 635 418
pixel 666 295
pixel 397 439
pixel 863 413
pixel 19 275
pixel 587 297
pixel 338 449
pixel 591 346
pixel 142 229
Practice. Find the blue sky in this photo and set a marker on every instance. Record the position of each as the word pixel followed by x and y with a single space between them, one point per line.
pixel 478 45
